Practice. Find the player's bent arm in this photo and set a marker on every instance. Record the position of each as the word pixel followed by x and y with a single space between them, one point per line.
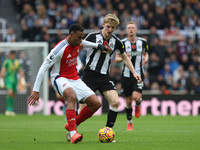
pixel 101 47
pixel 35 93
pixel 88 44
pixel 118 59
pixel 129 64
pixel 146 57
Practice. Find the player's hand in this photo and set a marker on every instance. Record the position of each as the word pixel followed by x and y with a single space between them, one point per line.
pixel 104 48
pixel 137 77
pixel 33 98
pixel 2 84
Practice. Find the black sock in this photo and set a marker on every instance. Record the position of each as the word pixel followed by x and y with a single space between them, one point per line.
pixel 129 113
pixel 138 103
pixel 111 118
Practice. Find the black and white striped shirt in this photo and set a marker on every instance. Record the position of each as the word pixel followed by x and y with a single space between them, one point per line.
pixel 135 52
pixel 98 61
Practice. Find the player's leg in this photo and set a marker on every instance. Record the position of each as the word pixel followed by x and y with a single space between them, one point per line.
pixel 81 106
pixel 9 102
pixel 137 96
pixel 113 99
pixel 127 85
pixel 128 111
pixel 11 89
pixel 64 88
pixel 70 95
pixel 59 97
pixel 93 104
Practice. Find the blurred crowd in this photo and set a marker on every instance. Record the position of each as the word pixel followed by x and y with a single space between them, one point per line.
pixel 173 34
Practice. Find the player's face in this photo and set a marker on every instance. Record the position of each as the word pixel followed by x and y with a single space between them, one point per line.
pixel 12 56
pixel 108 30
pixel 131 29
pixel 77 37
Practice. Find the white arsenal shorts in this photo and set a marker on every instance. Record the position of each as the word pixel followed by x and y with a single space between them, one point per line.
pixel 81 90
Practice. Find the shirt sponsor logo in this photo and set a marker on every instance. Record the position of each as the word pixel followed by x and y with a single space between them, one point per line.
pixel 134 53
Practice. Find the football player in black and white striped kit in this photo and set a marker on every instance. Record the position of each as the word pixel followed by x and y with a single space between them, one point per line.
pixel 98 64
pixel 137 50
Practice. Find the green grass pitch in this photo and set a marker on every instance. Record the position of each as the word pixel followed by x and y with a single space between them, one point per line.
pixel 40 132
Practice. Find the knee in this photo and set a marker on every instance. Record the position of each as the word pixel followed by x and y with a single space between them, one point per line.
pixel 71 98
pixel 96 106
pixel 10 93
pixel 115 104
pixel 137 98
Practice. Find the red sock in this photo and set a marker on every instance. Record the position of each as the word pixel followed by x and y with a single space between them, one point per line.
pixel 71 119
pixel 62 100
pixel 84 114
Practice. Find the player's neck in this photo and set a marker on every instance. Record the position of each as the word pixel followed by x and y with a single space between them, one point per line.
pixel 69 41
pixel 132 38
pixel 104 35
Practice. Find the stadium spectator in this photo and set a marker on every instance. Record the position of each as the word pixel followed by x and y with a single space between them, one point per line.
pixel 181 49
pixel 188 11
pixel 86 9
pixel 153 34
pixel 91 22
pixel 173 63
pixel 27 24
pixel 138 18
pixel 76 10
pixel 154 67
pixel 11 36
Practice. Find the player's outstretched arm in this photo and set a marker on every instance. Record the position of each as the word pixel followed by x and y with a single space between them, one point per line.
pixel 101 47
pixel 145 58
pixel 33 98
pixel 129 64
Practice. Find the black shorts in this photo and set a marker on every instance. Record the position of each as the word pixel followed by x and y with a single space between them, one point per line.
pixel 97 81
pixel 129 85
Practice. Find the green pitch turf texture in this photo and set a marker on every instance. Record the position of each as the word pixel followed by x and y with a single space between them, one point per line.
pixel 40 132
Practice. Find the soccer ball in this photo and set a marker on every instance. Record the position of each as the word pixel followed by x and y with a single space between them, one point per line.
pixel 106 135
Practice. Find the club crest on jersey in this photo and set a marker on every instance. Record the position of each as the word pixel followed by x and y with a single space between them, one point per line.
pixel 74 53
pixel 111 45
pixel 52 57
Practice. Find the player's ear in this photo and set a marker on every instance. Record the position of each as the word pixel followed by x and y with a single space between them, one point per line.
pixel 102 24
pixel 72 33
